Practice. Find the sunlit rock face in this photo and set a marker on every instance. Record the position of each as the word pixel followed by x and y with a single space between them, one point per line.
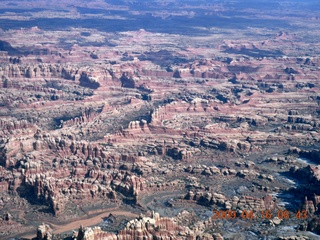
pixel 154 227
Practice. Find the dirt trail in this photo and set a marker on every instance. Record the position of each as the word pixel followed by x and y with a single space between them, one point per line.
pixel 88 221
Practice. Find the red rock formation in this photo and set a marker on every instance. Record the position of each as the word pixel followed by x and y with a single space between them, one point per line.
pixel 44 232
pixel 154 227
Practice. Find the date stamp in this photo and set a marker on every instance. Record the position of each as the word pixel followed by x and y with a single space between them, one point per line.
pixel 251 214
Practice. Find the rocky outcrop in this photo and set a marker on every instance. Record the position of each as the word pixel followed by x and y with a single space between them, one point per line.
pixel 154 227
pixel 10 126
pixel 178 154
pixel 128 184
pixel 235 203
pixel 309 173
pixel 293 237
pixel 312 205
pixel 39 71
pixel 87 80
pixel 127 81
pixel 58 192
pixel 44 232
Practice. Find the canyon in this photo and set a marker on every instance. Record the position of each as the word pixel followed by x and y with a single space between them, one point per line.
pixel 113 115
